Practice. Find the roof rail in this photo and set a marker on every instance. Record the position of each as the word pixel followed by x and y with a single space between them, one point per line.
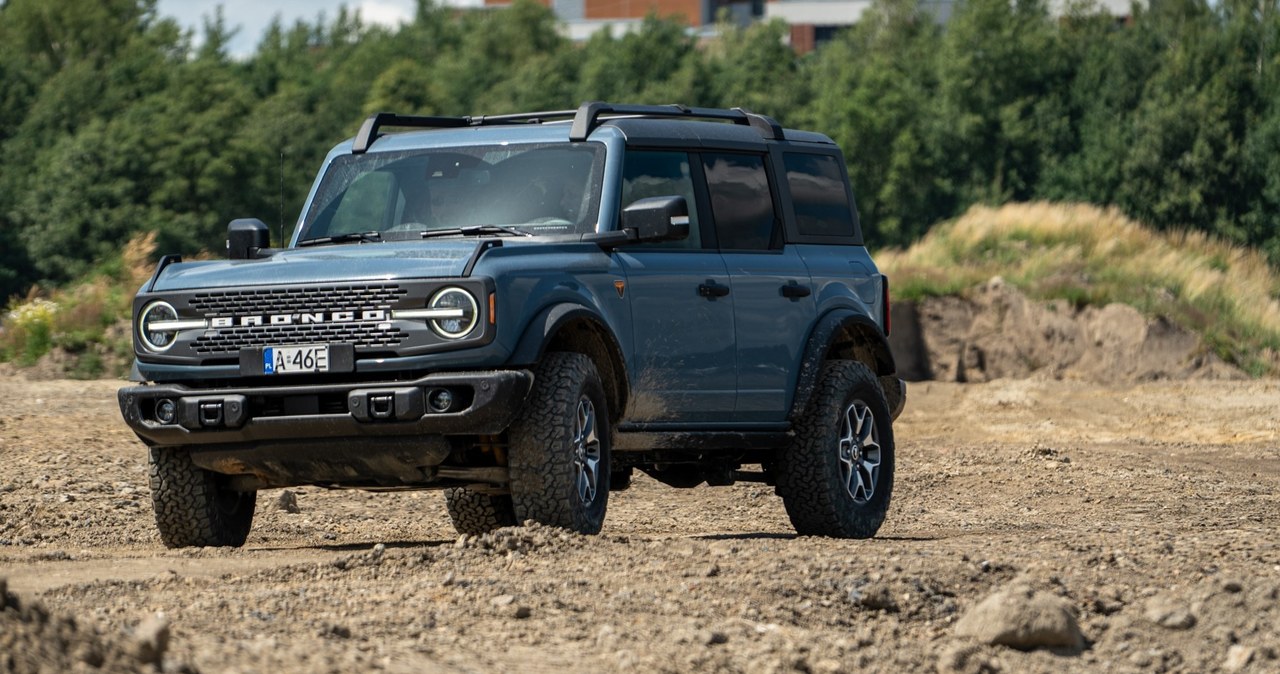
pixel 585 119
pixel 369 130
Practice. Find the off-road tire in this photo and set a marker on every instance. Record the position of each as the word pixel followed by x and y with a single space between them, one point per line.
pixel 544 459
pixel 474 513
pixel 814 487
pixel 196 507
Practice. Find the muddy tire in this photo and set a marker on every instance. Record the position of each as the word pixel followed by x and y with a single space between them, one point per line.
pixel 474 513
pixel 195 507
pixel 559 447
pixel 836 477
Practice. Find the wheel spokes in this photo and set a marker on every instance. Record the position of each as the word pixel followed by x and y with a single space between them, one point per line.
pixel 586 451
pixel 859 451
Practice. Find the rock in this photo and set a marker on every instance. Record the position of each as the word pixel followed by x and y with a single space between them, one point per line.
pixel 1165 612
pixel 711 637
pixel 1021 617
pixel 1233 586
pixel 965 658
pixel 503 600
pixel 151 639
pixel 1238 657
pixel 67 498
pixel 288 502
pixel 877 597
pixel 522 612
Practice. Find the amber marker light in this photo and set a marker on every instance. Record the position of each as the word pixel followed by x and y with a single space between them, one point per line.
pixel 493 317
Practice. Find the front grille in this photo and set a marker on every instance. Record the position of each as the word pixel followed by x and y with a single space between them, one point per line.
pixel 309 299
pixel 230 340
pixel 291 300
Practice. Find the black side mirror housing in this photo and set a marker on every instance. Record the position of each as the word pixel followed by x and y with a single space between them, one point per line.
pixel 245 237
pixel 657 219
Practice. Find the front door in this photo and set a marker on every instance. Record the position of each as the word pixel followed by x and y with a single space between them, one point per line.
pixel 683 366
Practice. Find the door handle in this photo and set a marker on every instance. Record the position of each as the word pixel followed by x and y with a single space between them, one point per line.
pixel 712 290
pixel 795 291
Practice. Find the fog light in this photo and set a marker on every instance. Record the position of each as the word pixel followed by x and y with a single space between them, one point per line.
pixel 440 400
pixel 166 411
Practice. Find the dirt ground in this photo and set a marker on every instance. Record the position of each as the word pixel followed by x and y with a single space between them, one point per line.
pixel 1149 511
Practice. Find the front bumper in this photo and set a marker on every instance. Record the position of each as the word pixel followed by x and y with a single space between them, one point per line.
pixel 482 403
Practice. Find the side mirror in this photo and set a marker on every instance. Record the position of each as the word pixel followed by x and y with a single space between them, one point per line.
pixel 657 219
pixel 245 237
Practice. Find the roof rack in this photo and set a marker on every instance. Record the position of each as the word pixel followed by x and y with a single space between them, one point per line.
pixel 585 119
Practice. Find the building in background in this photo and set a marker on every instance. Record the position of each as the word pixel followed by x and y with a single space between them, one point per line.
pixel 812 22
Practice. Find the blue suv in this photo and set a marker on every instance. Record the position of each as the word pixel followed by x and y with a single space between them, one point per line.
pixel 521 310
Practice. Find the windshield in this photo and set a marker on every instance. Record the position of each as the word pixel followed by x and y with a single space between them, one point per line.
pixel 478 190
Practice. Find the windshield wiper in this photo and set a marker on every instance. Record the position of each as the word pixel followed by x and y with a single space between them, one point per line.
pixel 475 230
pixel 362 237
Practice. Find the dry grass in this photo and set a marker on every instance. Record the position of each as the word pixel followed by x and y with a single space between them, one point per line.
pixel 1091 255
pixel 87 321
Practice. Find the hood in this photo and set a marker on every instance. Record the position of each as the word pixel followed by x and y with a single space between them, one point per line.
pixel 326 264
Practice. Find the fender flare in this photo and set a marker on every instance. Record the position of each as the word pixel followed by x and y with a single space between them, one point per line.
pixel 835 327
pixel 547 324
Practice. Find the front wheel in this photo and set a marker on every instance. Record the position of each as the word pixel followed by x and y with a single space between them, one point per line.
pixel 559 447
pixel 196 507
pixel 474 513
pixel 836 477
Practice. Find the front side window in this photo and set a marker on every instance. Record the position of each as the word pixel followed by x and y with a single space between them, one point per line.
pixel 661 174
pixel 536 189
pixel 741 201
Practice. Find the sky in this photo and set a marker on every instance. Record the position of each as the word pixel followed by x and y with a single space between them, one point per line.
pixel 253 16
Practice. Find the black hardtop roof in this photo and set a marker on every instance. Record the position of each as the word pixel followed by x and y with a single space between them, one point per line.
pixel 650 124
pixel 648 132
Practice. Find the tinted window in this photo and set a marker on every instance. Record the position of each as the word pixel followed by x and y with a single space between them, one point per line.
pixel 661 174
pixel 818 192
pixel 740 201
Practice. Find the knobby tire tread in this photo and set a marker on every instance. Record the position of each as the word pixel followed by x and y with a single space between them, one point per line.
pixel 474 513
pixel 540 463
pixel 808 475
pixel 185 499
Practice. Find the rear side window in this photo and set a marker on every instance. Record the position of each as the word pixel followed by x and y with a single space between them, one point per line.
pixel 818 193
pixel 741 201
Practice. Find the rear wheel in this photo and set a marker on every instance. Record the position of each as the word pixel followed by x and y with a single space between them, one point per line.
pixel 836 477
pixel 474 513
pixel 196 507
pixel 559 447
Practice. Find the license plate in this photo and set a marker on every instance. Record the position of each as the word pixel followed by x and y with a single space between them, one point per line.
pixel 295 359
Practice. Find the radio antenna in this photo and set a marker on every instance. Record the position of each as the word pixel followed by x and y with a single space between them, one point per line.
pixel 282 198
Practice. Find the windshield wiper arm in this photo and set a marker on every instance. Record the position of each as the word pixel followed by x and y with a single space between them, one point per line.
pixel 475 230
pixel 362 237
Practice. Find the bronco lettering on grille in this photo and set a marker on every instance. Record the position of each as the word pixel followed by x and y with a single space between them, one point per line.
pixel 310 318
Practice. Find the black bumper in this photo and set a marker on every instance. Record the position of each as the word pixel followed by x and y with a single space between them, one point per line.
pixel 895 393
pixel 482 403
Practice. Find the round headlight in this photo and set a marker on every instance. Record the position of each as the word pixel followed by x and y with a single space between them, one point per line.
pixel 152 339
pixel 463 316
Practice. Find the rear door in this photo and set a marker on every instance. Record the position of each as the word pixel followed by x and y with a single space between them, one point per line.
pixel 773 304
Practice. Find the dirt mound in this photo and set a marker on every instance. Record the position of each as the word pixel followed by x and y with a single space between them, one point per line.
pixel 996 332
pixel 34 640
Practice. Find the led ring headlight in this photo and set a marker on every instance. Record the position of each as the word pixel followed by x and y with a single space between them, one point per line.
pixel 461 309
pixel 157 338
